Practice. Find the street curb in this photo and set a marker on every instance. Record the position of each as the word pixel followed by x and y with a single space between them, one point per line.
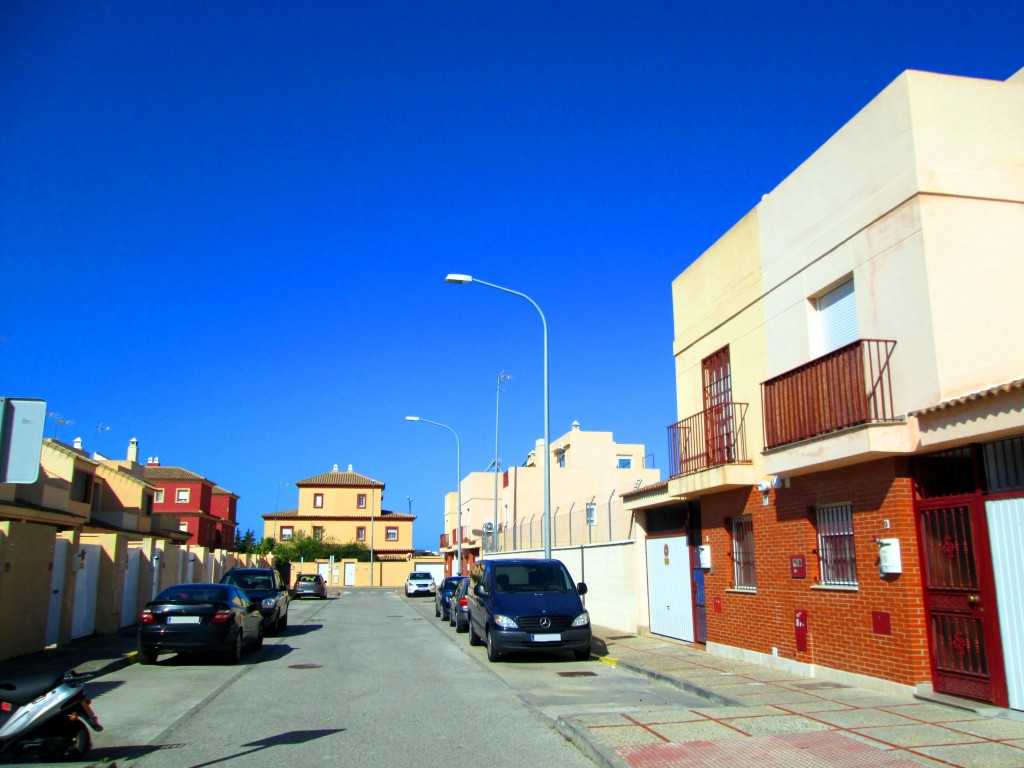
pixel 576 732
pixel 100 667
pixel 675 682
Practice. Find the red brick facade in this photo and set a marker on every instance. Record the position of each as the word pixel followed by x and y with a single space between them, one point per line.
pixel 841 631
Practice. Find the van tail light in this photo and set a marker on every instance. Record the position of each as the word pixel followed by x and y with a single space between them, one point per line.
pixel 147 617
pixel 221 617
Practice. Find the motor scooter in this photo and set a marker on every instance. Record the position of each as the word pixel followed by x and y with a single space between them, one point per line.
pixel 44 717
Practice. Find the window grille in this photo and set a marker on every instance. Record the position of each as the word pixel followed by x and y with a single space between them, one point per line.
pixel 836 555
pixel 743 553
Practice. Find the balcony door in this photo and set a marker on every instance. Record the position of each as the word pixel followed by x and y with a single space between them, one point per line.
pixel 720 437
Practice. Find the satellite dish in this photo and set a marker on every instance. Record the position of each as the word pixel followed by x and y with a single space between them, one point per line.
pixel 488 527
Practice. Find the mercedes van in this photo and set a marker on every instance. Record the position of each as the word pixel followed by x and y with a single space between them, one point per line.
pixel 527 605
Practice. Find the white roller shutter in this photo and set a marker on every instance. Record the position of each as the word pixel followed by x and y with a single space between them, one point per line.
pixel 837 316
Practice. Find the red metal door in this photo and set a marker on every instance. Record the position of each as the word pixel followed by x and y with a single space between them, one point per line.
pixel 960 605
pixel 718 407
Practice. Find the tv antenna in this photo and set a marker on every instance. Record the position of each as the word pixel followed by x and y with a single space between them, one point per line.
pixel 58 420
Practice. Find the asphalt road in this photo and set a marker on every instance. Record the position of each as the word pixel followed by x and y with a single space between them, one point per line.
pixel 363 679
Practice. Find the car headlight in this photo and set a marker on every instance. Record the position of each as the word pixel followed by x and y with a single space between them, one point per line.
pixel 582 620
pixel 505 622
pixel 268 602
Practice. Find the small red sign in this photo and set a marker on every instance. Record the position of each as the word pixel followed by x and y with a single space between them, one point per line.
pixel 800 629
pixel 718 605
pixel 797 567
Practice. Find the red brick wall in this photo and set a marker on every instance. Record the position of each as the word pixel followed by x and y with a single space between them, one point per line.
pixel 840 627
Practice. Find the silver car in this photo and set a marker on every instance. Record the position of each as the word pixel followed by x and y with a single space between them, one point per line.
pixel 310 585
pixel 420 583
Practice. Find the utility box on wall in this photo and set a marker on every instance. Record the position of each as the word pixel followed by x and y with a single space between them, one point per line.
pixel 889 558
pixel 704 556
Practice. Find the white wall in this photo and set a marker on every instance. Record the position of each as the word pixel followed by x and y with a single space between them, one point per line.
pixel 609 571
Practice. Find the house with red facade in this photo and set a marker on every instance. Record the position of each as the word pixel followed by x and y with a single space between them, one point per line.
pixel 846 490
pixel 205 511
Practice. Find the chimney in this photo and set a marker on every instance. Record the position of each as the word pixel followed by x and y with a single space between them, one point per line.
pixel 349 467
pixel 335 468
pixel 575 426
pixel 153 462
pixel 78 443
pixel 133 451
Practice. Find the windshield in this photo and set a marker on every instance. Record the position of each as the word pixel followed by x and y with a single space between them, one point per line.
pixel 191 593
pixel 249 581
pixel 420 576
pixel 451 582
pixel 532 577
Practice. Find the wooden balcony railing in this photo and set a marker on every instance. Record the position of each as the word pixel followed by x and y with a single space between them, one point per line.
pixel 711 438
pixel 847 387
pixel 444 541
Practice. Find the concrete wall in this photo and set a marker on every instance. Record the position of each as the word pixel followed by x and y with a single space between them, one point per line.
pixel 609 571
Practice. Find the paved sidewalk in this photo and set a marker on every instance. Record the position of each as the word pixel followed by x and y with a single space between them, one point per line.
pixel 769 718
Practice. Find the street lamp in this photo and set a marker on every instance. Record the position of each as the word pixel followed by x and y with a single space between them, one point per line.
pixel 458 483
pixel 462 280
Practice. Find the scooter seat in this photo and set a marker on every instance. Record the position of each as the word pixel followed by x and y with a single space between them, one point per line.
pixel 24 689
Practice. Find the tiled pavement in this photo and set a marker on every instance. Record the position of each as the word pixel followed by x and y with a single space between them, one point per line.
pixel 764 717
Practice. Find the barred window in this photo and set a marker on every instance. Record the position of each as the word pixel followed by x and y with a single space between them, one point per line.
pixel 743 552
pixel 836 554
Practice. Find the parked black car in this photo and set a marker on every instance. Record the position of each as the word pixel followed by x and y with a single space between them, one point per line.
pixel 443 596
pixel 458 610
pixel 200 618
pixel 311 585
pixel 263 586
pixel 527 605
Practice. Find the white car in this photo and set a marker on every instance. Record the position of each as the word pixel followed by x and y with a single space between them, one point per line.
pixel 420 583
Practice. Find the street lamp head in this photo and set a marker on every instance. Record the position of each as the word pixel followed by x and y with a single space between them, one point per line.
pixel 412 418
pixel 458 279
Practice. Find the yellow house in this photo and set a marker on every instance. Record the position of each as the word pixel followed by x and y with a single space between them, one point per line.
pixel 344 507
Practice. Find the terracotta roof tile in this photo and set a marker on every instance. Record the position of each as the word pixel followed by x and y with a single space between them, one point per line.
pixel 337 479
pixel 172 473
pixel 1000 390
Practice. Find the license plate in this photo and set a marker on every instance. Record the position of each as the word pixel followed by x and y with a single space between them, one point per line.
pixel 546 638
pixel 182 619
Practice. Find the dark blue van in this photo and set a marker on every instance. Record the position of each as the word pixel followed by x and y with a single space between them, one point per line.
pixel 527 605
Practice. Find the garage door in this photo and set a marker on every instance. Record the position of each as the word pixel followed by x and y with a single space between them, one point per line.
pixel 670 594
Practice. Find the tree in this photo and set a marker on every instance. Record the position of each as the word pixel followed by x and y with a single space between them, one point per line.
pixel 245 544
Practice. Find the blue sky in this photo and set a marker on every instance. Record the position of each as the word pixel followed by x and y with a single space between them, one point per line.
pixel 225 227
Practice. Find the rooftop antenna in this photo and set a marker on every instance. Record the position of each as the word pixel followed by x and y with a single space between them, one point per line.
pixel 57 421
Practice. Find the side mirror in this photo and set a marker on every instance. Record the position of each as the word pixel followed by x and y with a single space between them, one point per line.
pixel 581 588
pixel 479 590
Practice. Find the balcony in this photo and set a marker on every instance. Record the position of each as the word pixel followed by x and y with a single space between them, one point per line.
pixel 444 541
pixel 849 387
pixel 712 438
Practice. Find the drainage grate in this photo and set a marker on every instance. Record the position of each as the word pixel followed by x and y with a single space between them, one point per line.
pixel 305 666
pixel 822 686
pixel 577 674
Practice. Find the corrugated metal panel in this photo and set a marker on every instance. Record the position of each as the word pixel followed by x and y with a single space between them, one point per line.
pixel 1006 531
pixel 670 593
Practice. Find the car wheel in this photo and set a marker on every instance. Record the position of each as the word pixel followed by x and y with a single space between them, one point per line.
pixel 451 618
pixel 147 656
pixel 583 655
pixel 234 655
pixel 474 638
pixel 259 638
pixel 282 623
pixel 492 651
pixel 437 611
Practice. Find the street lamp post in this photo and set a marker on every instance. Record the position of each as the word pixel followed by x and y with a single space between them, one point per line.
pixel 458 482
pixel 462 280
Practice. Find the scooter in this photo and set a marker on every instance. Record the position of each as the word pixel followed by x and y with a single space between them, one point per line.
pixel 44 717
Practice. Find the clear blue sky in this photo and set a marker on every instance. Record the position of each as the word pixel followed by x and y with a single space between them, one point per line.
pixel 224 227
